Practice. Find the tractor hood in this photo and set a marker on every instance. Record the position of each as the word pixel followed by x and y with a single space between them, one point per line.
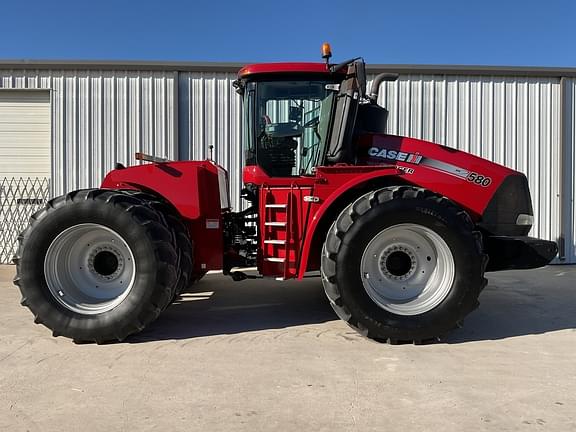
pixel 496 197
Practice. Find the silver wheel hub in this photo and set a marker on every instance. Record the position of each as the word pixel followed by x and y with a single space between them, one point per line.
pixel 407 269
pixel 89 268
pixel 398 262
pixel 106 262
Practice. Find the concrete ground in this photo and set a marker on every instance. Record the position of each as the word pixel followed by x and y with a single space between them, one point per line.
pixel 266 355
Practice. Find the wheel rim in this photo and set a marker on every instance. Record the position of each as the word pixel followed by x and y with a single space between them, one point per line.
pixel 407 269
pixel 89 268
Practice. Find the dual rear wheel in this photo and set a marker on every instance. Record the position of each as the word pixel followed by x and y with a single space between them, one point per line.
pixel 99 265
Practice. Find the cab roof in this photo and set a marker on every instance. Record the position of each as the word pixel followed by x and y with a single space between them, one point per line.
pixel 273 68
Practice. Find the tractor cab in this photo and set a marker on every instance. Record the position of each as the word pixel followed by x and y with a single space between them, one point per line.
pixel 298 116
pixel 286 123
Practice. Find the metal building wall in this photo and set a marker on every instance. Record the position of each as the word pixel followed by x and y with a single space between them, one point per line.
pixel 101 117
pixel 569 158
pixel 514 121
pixel 210 115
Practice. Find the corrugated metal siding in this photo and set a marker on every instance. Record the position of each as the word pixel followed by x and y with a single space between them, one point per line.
pixel 101 117
pixel 570 170
pixel 210 114
pixel 512 121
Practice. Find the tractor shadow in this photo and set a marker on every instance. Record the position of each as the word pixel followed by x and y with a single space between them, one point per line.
pixel 515 303
pixel 217 306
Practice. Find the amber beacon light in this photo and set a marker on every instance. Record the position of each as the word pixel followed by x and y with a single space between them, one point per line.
pixel 326 51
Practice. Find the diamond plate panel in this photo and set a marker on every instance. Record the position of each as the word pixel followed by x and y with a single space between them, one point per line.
pixel 20 198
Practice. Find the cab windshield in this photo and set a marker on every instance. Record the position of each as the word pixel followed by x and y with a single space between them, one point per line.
pixel 286 125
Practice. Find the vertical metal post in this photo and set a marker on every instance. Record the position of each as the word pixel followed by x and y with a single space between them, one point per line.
pixel 564 124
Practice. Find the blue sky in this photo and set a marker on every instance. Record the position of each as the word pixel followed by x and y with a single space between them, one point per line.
pixel 505 32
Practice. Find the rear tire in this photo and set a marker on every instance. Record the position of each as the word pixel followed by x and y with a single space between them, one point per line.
pixel 75 298
pixel 184 244
pixel 403 264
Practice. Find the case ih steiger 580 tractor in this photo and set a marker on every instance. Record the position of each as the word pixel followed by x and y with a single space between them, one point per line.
pixel 401 230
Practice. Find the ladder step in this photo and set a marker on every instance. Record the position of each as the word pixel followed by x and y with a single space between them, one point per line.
pixel 279 224
pixel 276 205
pixel 280 242
pixel 274 259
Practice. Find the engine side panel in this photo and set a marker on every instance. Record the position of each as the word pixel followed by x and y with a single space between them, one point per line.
pixel 466 179
pixel 193 189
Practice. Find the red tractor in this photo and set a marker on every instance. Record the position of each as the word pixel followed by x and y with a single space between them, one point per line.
pixel 401 230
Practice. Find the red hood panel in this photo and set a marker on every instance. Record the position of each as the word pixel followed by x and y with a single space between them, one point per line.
pixel 464 178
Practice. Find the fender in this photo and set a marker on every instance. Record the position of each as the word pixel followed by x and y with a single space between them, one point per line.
pixel 318 213
pixel 192 188
pixel 183 184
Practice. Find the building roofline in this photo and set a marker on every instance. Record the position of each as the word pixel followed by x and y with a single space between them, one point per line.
pixel 234 67
pixel 535 71
pixel 122 65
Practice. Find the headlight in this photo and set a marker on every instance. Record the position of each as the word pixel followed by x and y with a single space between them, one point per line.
pixel 525 219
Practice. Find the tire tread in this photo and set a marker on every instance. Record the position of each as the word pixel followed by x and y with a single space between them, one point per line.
pixel 344 223
pixel 158 232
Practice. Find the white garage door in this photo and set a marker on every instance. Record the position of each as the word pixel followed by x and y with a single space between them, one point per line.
pixel 24 133
pixel 24 162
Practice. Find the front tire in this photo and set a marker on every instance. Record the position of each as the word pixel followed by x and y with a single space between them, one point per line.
pixel 96 265
pixel 403 264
